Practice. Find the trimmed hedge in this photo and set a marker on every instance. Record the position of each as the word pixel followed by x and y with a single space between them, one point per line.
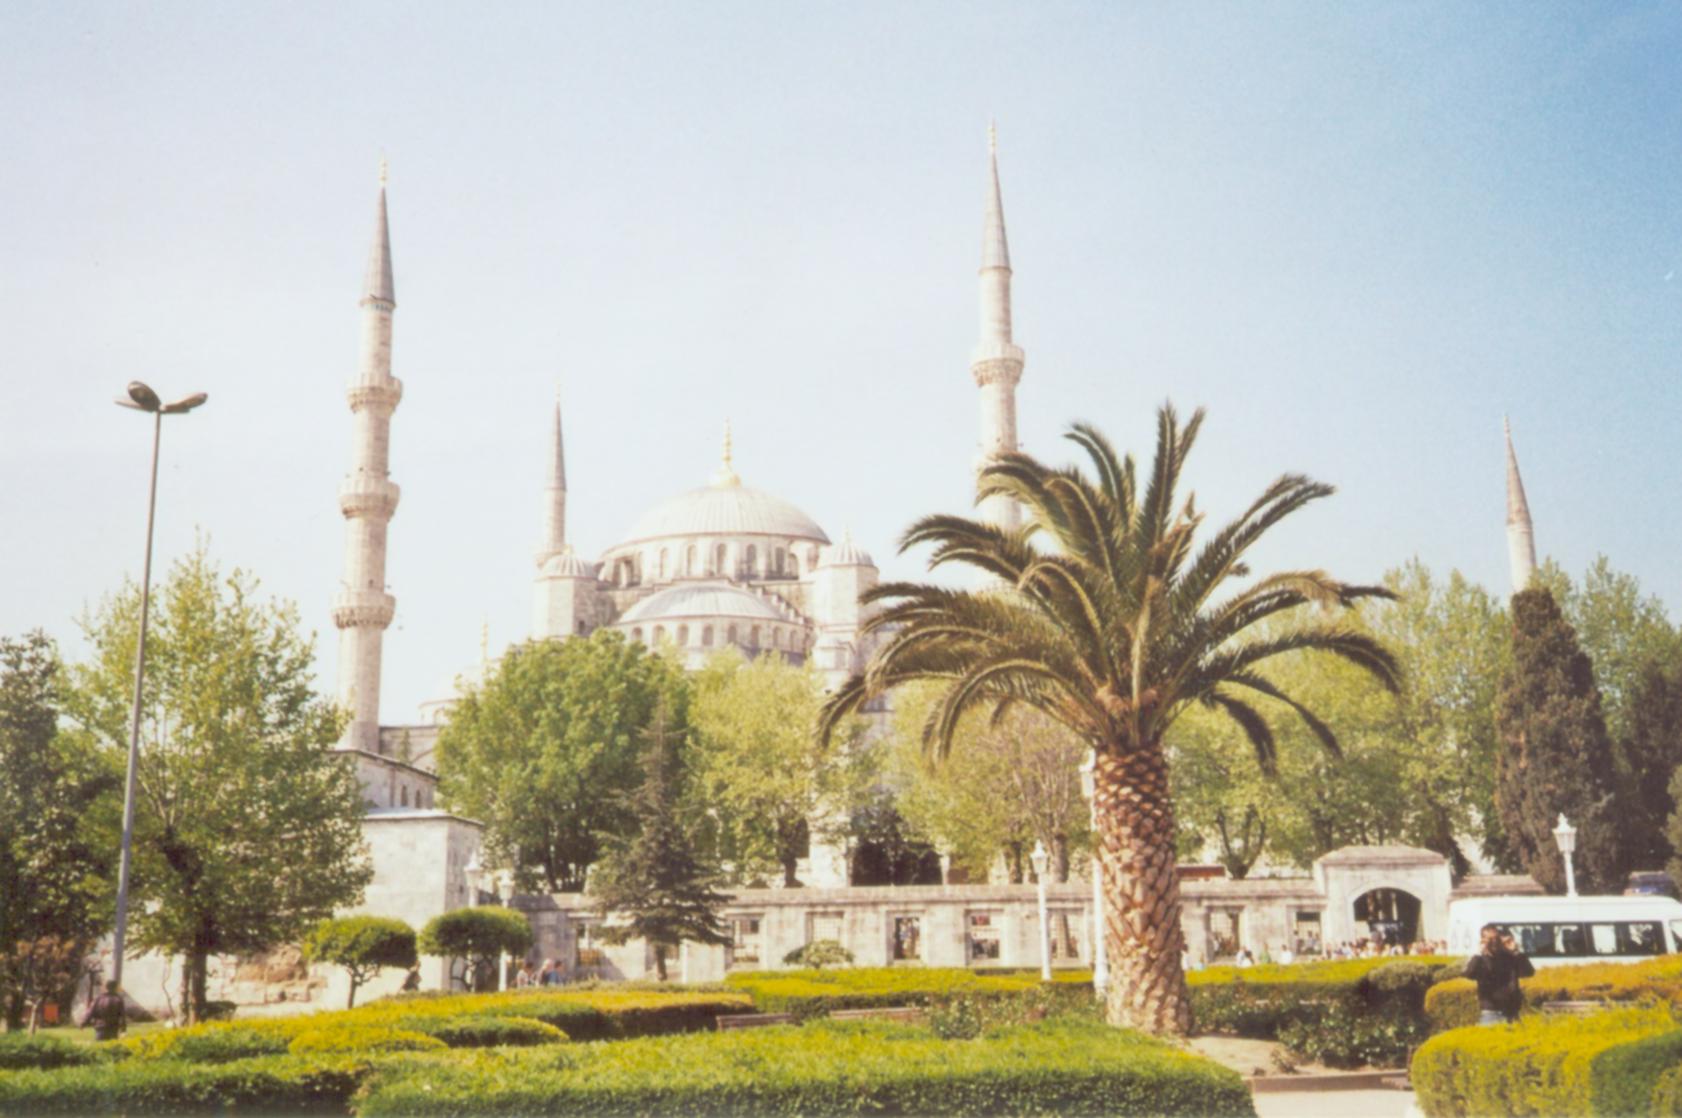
pixel 816 993
pixel 1541 1065
pixel 823 1068
pixel 362 1040
pixel 1667 1095
pixel 485 1032
pixel 269 1085
pixel 1454 1005
pixel 214 1043
pixel 1624 1080
pixel 43 1050
pixel 1341 1013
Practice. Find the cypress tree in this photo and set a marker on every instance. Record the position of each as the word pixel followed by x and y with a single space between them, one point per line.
pixel 1555 755
pixel 656 883
pixel 1651 750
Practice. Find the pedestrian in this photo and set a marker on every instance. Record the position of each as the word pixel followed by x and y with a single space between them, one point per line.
pixel 551 974
pixel 1496 969
pixel 411 981
pixel 107 1014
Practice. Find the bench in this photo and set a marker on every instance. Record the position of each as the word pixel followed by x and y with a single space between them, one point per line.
pixel 751 1020
pixel 910 1013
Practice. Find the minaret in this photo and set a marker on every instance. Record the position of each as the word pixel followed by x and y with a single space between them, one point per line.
pixel 997 361
pixel 1521 540
pixel 368 497
pixel 555 496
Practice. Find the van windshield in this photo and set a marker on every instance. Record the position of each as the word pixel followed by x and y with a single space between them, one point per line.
pixel 1592 939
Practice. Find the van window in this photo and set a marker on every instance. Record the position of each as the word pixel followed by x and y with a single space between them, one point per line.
pixel 1587 941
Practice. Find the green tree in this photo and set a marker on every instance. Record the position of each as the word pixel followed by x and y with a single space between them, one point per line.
pixel 1003 787
pixel 543 752
pixel 480 935
pixel 758 762
pixel 1110 624
pixel 1651 751
pixel 248 829
pixel 654 885
pixel 1555 755
pixel 363 945
pixel 57 832
pixel 1622 629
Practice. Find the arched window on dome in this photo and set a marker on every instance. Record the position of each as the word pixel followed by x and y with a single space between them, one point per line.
pixel 753 637
pixel 636 635
pixel 659 633
pixel 793 565
pixel 689 560
pixel 730 635
pixel 779 561
pixel 683 635
pixel 405 795
pixel 706 636
pixel 752 561
pixel 776 638
pixel 719 559
pixel 662 566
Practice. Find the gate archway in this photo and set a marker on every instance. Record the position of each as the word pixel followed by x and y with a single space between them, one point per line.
pixel 1389 915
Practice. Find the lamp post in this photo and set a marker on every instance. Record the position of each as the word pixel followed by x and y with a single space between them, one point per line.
pixel 1566 836
pixel 473 871
pixel 1040 859
pixel 1100 941
pixel 140 398
pixel 504 894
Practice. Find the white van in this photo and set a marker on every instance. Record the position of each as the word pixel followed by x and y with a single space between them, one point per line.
pixel 1560 930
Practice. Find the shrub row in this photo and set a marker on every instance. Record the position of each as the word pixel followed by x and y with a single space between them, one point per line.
pixel 1342 1013
pixel 268 1085
pixel 822 1068
pixel 1453 1005
pixel 456 1020
pixel 1607 1063
pixel 815 993
pixel 43 1050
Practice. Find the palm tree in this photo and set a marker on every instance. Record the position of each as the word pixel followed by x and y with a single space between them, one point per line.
pixel 1101 616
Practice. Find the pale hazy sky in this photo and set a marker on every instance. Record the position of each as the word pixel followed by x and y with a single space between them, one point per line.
pixel 1358 233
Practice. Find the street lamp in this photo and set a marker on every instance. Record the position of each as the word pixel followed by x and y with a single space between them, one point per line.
pixel 473 871
pixel 140 398
pixel 505 895
pixel 1566 836
pixel 1100 941
pixel 1040 859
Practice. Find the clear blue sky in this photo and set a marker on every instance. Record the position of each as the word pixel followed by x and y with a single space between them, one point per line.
pixel 1358 233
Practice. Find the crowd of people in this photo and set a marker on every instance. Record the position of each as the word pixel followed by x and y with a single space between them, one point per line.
pixel 1309 947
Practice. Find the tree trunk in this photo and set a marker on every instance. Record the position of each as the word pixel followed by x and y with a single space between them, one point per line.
pixel 660 960
pixel 350 1003
pixel 1147 988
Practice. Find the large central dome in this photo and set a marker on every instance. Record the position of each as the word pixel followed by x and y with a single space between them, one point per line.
pixel 725 510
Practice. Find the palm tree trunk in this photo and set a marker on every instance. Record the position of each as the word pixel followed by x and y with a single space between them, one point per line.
pixel 1147 988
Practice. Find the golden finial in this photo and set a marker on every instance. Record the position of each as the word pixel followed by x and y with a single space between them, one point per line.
pixel 725 475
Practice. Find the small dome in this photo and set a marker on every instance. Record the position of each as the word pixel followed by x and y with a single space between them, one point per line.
pixel 567 564
pixel 846 554
pixel 725 510
pixel 701 599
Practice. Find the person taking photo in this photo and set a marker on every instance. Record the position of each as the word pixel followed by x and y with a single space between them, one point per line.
pixel 1497 969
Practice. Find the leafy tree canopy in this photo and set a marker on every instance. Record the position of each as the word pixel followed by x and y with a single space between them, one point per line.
pixel 480 935
pixel 544 751
pixel 762 769
pixel 362 945
pixel 247 826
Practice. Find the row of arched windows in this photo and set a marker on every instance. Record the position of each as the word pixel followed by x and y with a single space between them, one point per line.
pixel 692 561
pixel 776 638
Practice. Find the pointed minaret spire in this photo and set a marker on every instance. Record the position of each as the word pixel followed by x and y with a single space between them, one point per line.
pixel 368 498
pixel 1521 538
pixel 555 494
pixel 377 283
pixel 997 361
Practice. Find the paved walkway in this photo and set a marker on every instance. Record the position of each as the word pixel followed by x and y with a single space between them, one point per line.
pixel 1334 1104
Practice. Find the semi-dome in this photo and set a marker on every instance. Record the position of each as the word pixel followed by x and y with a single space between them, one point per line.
pixel 725 511
pixel 701 599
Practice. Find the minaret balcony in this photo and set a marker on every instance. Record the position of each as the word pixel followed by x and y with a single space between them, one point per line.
pixel 358 609
pixel 381 396
pixel 994 362
pixel 360 495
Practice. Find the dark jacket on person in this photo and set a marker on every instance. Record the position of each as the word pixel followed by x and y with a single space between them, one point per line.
pixel 108 1015
pixel 1497 977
